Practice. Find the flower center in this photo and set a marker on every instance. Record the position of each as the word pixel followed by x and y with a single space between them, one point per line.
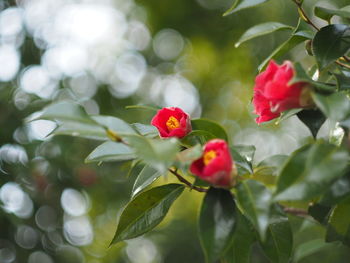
pixel 172 123
pixel 208 157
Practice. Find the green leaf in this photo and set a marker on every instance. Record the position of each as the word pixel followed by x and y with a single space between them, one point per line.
pixel 279 239
pixel 255 201
pixel 336 106
pixel 189 155
pixel 327 14
pixel 115 124
pixel 216 223
pixel 309 248
pixel 319 212
pixel 143 107
pixel 66 112
pixel 243 4
pixel 343 80
pixel 313 119
pixel 260 30
pixel 83 130
pixel 299 35
pixel 209 126
pixel 146 177
pixel 145 130
pixel 310 171
pixel 338 191
pixel 339 224
pixel 243 164
pixel 111 151
pixel 330 43
pixel 243 239
pixel 146 211
pixel 157 153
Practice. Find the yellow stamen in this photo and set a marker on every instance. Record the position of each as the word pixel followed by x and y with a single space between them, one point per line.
pixel 208 157
pixel 172 123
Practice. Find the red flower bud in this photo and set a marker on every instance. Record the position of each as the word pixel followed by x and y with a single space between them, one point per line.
pixel 216 165
pixel 172 122
pixel 273 94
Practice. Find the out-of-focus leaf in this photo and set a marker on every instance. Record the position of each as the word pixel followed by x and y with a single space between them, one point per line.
pixel 313 119
pixel 145 130
pixel 83 130
pixel 308 248
pixel 66 112
pixel 216 223
pixel 142 107
pixel 343 80
pixel 111 151
pixel 338 191
pixel 299 35
pixel 330 43
pixel 210 126
pixel 287 114
pixel 255 200
pixel 327 14
pixel 146 177
pixel 158 153
pixel 115 124
pixel 242 164
pixel 243 4
pixel 319 212
pixel 339 223
pixel 243 238
pixel 279 239
pixel 336 106
pixel 310 171
pixel 260 30
pixel 189 155
pixel 146 211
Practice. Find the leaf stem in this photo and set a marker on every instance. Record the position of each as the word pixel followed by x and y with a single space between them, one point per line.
pixel 342 64
pixel 297 212
pixel 183 180
pixel 303 14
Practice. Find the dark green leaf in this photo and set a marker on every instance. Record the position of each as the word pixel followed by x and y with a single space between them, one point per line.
pixel 146 211
pixel 115 124
pixel 260 30
pixel 146 177
pixel 299 35
pixel 243 239
pixel 339 223
pixel 330 43
pixel 216 223
pixel 255 200
pixel 209 126
pixel 327 14
pixel 279 239
pixel 336 106
pixel 313 119
pixel 111 151
pixel 339 190
pixel 243 165
pixel 319 212
pixel 310 171
pixel 158 153
pixel 243 4
pixel 343 80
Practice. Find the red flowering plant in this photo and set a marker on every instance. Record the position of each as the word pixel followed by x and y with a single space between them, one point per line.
pixel 244 200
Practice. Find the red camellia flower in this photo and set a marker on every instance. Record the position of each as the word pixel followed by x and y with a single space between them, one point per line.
pixel 172 122
pixel 274 94
pixel 216 165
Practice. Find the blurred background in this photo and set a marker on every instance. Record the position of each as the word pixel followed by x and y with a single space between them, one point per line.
pixel 106 55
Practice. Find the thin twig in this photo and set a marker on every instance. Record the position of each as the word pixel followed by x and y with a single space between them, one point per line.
pixel 342 64
pixel 305 16
pixel 297 212
pixel 190 185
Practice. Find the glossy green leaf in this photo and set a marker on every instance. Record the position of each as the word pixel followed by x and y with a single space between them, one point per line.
pixel 146 177
pixel 313 119
pixel 157 153
pixel 255 200
pixel 339 223
pixel 146 211
pixel 310 171
pixel 210 126
pixel 336 106
pixel 243 4
pixel 83 130
pixel 330 43
pixel 115 124
pixel 343 80
pixel 299 35
pixel 338 191
pixel 278 244
pixel 242 163
pixel 66 112
pixel 260 30
pixel 145 130
pixel 111 151
pixel 243 238
pixel 327 14
pixel 216 223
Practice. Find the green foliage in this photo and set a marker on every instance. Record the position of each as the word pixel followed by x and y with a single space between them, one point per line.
pixel 243 4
